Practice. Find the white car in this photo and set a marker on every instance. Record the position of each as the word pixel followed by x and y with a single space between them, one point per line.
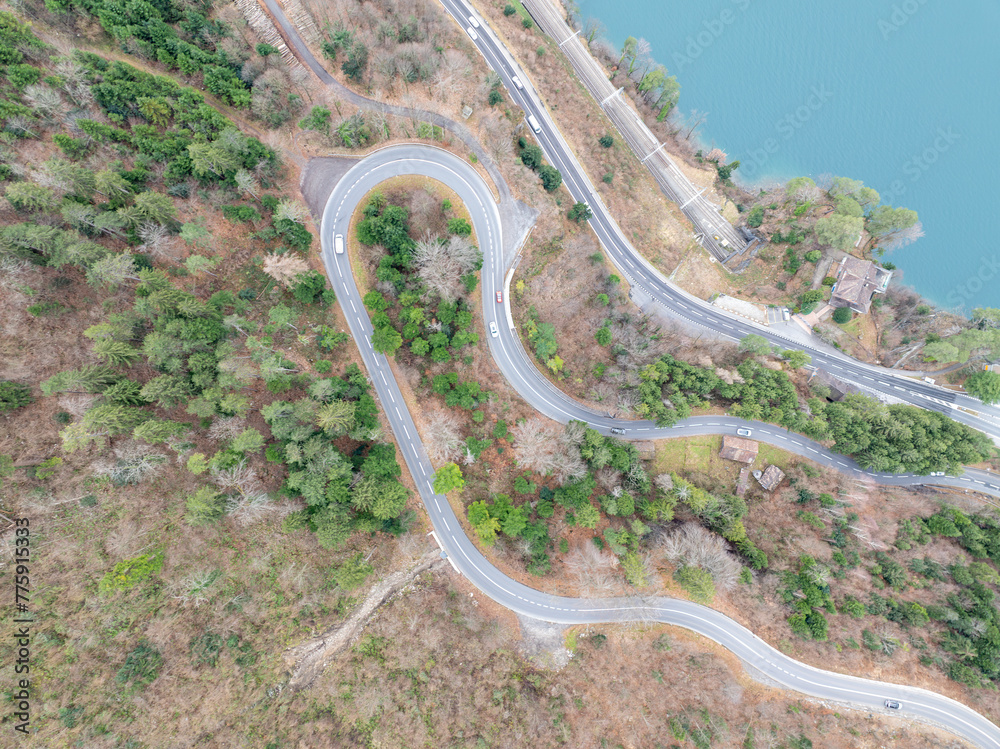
pixel 493 330
pixel 517 83
pixel 338 244
pixel 744 432
pixel 472 33
pixel 937 473
pixel 473 21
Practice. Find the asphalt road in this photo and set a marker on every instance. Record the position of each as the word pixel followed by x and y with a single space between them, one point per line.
pixel 507 352
pixel 678 303
pixel 514 363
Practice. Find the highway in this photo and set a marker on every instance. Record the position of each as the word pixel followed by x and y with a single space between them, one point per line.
pixel 525 378
pixel 680 305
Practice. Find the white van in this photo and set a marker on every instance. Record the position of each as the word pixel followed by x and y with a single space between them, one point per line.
pixel 534 123
pixel 474 22
pixel 338 244
pixel 517 83
pixel 472 33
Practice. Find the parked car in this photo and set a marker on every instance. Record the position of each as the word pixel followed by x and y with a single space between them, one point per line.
pixel 744 432
pixel 617 430
pixel 499 297
pixel 892 704
pixel 493 330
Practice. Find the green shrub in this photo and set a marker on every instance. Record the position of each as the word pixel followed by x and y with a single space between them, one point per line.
pixel 46 309
pixel 606 140
pixel 842 315
pixel 141 666
pixel 459 226
pixel 14 395
pixel 129 573
pixel 509 10
pixel 697 582
pixel 813 256
pixel 240 213
pixel 205 648
pixel 756 216
pixel 551 178
pixel 527 22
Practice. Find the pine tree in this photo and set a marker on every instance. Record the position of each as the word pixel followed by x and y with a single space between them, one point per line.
pixel 116 353
pixel 89 379
pixel 336 417
pixel 166 391
pixel 158 430
pixel 205 506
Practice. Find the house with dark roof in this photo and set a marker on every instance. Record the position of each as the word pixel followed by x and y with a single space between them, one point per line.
pixel 738 449
pixel 857 282
pixel 770 478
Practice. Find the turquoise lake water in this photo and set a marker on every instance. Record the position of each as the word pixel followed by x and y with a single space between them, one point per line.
pixel 901 95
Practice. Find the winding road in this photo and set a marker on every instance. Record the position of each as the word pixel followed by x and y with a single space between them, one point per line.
pixel 536 390
pixel 517 367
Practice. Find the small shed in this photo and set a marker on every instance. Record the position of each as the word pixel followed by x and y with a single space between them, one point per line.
pixel 743 483
pixel 770 478
pixel 738 449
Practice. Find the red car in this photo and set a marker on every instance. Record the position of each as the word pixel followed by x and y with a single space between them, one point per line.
pixel 499 297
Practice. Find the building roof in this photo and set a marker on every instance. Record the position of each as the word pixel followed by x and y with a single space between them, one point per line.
pixel 737 448
pixel 743 483
pixel 771 477
pixel 857 282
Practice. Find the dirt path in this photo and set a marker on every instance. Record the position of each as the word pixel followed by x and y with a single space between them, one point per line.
pixel 308 660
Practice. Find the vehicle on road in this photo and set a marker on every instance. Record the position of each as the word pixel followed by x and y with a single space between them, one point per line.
pixel 892 704
pixel 534 123
pixel 473 21
pixel 617 430
pixel 929 380
pixel 499 297
pixel 471 32
pixel 338 244
pixel 493 330
pixel 937 473
pixel 517 83
pixel 744 432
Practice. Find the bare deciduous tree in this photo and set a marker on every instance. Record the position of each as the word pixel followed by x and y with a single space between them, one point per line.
pixel 693 545
pixel 133 463
pixel 497 136
pixel 442 437
pixel 226 428
pixel 290 209
pixel 441 264
pixel 156 240
pixel 285 268
pixel 593 569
